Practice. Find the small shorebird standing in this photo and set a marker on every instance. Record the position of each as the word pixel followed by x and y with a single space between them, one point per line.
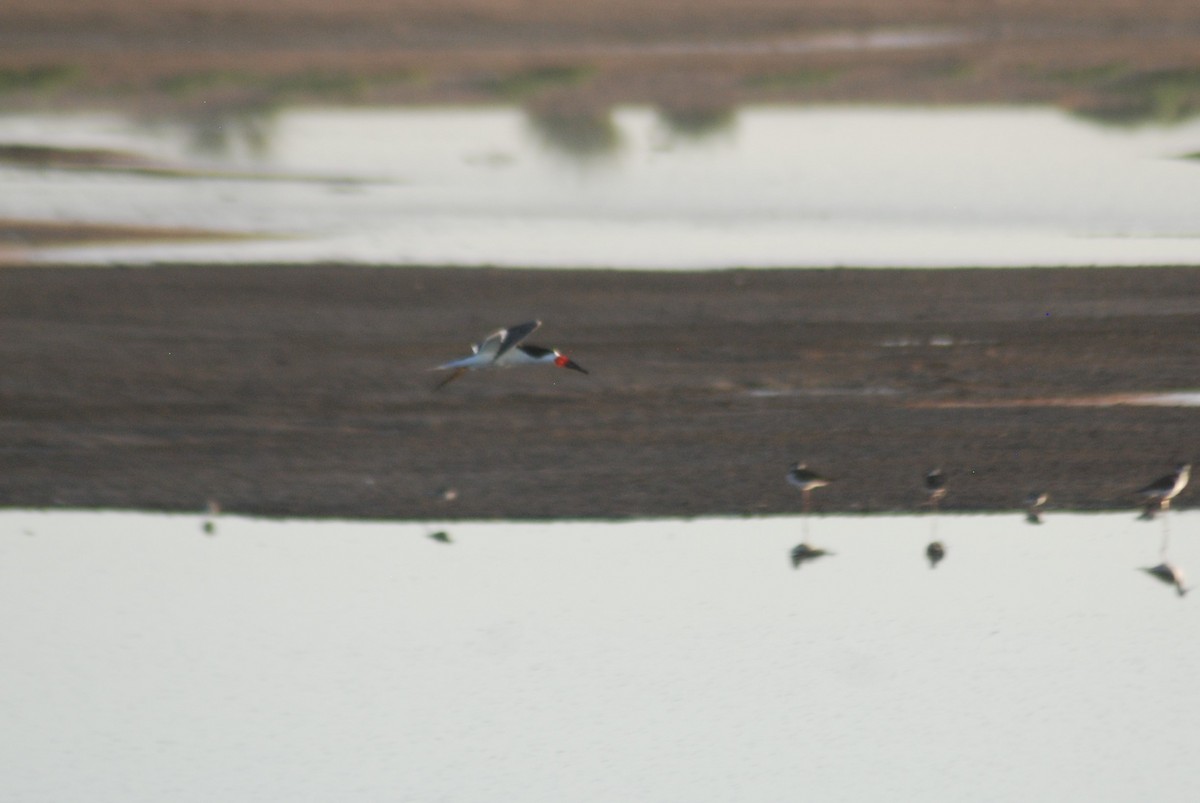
pixel 1158 495
pixel 1034 502
pixel 806 480
pixel 936 551
pixel 213 510
pixel 1169 573
pixel 503 348
pixel 935 487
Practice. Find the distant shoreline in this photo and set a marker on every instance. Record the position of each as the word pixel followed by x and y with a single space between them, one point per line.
pixel 1123 62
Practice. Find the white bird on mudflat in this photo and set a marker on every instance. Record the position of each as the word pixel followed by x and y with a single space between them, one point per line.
pixel 504 348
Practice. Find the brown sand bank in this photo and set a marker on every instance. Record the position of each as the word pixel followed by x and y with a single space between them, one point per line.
pixel 1120 59
pixel 305 391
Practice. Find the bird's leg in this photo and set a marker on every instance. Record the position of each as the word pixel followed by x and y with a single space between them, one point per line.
pixel 1165 547
pixel 455 374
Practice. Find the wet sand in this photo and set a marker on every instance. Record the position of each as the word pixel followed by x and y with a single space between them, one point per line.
pixel 306 391
pixel 1118 59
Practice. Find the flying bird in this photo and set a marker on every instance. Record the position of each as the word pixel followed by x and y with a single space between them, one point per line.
pixel 504 348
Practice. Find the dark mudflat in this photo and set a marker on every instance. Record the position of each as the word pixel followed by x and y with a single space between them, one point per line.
pixel 306 391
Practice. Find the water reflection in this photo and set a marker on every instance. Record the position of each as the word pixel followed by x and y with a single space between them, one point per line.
pixel 803 553
pixel 664 189
pixel 1125 97
pixel 698 123
pixel 1171 574
pixel 295 649
pixel 244 132
pixel 582 135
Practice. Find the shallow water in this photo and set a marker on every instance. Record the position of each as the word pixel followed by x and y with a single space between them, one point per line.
pixel 649 660
pixel 753 187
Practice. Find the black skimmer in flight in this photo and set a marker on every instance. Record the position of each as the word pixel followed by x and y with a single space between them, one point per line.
pixel 1033 506
pixel 506 347
pixel 1158 495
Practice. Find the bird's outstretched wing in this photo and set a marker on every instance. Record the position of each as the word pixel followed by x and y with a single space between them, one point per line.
pixel 502 340
pixel 1159 486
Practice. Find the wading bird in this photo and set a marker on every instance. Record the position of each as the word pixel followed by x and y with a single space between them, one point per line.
pixel 935 487
pixel 806 480
pixel 1034 502
pixel 1158 495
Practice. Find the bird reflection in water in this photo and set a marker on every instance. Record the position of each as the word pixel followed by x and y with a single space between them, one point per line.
pixel 1171 574
pixel 803 553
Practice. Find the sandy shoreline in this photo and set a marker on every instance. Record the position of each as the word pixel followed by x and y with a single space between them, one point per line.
pixel 305 391
pixel 1118 60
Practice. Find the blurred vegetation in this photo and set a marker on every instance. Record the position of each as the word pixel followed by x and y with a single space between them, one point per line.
pixel 313 83
pixel 697 123
pixel 799 78
pixel 952 68
pixel 580 134
pixel 1161 96
pixel 40 78
pixel 1114 93
pixel 527 83
pixel 1118 90
pixel 1087 76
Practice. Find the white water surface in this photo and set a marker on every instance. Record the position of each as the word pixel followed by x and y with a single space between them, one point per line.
pixel 770 187
pixel 584 661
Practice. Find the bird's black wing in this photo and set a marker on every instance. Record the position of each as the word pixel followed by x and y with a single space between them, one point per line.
pixel 514 335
